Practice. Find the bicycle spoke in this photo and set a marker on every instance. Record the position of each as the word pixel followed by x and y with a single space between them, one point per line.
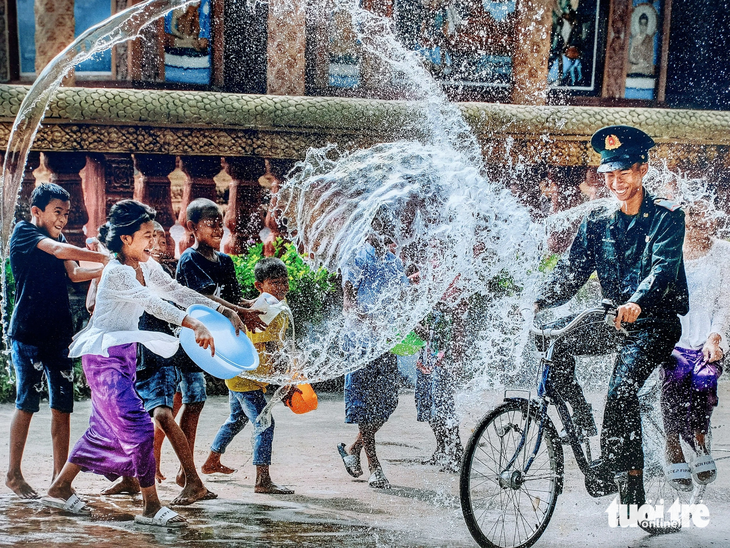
pixel 510 512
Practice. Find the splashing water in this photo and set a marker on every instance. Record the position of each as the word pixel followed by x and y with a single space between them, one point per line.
pixel 120 27
pixel 426 197
pixel 429 201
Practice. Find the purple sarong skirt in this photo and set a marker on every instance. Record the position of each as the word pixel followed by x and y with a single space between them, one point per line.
pixel 120 437
pixel 689 393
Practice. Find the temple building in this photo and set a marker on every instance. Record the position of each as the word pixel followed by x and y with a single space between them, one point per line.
pixel 220 99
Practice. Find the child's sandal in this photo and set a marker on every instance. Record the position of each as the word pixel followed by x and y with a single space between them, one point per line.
pixel 704 463
pixel 679 476
pixel 351 462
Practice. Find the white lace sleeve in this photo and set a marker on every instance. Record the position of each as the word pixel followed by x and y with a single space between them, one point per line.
pixel 121 284
pixel 167 288
pixel 721 312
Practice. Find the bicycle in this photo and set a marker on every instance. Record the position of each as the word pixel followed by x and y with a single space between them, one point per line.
pixel 513 467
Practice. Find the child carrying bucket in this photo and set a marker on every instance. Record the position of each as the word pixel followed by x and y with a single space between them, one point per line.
pixel 246 396
pixel 120 436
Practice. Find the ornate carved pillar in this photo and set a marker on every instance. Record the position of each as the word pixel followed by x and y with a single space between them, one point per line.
pixel 5 43
pixel 617 48
pixel 65 170
pixel 145 55
pixel 243 217
pixel 119 179
pixel 93 182
pixel 120 67
pixel 54 30
pixel 286 63
pixel 531 51
pixel 22 209
pixel 200 171
pixel 375 73
pixel 153 188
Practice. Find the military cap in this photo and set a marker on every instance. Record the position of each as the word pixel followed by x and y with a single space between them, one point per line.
pixel 621 147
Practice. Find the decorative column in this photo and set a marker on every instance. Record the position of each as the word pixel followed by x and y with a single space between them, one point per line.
pixel 533 26
pixel 65 170
pixel 119 179
pixel 120 67
pixel 243 217
pixel 200 171
pixel 375 74
pixel 145 55
pixel 93 179
pixel 152 187
pixel 617 49
pixel 22 208
pixel 54 30
pixel 5 42
pixel 286 63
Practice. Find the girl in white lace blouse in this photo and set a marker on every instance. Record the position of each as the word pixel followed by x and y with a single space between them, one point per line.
pixel 119 440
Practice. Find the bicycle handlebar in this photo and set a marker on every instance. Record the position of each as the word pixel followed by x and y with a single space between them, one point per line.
pixel 607 308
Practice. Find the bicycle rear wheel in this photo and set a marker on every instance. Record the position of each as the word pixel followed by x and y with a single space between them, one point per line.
pixel 658 489
pixel 506 507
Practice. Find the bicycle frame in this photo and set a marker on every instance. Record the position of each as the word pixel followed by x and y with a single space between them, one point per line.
pixel 547 395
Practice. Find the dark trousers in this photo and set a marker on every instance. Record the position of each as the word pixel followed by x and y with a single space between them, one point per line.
pixel 648 344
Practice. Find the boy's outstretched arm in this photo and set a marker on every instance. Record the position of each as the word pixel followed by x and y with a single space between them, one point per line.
pixel 77 273
pixel 68 252
pixel 249 317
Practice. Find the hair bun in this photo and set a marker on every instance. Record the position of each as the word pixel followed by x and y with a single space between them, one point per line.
pixel 104 233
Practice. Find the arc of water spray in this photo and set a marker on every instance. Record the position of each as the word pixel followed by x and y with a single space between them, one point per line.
pixel 120 27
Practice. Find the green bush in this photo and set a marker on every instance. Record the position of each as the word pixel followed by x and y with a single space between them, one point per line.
pixel 312 293
pixel 7 386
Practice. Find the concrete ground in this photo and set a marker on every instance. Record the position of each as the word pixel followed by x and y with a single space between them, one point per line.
pixel 329 508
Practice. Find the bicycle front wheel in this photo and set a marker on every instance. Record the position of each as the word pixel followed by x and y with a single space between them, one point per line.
pixel 504 505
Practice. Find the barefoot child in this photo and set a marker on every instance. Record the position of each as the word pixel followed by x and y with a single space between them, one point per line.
pixel 120 436
pixel 246 396
pixel 435 386
pixel 206 270
pixel 157 379
pixel 41 326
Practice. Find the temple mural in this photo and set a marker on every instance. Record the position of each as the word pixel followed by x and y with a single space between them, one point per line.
pixel 188 44
pixel 464 42
pixel 644 48
pixel 574 45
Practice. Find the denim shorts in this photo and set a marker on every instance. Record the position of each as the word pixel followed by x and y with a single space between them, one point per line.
pixel 31 364
pixel 192 386
pixel 371 393
pixel 157 388
pixel 435 397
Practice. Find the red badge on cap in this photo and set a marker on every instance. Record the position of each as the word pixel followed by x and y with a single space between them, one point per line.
pixel 612 142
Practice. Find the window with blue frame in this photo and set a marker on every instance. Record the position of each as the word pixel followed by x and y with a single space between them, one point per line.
pixel 86 13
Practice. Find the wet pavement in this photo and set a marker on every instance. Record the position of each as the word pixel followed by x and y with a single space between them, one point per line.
pixel 329 508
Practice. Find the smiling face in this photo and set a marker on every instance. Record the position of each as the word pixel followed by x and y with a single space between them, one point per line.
pixel 159 245
pixel 53 219
pixel 625 185
pixel 138 246
pixel 209 231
